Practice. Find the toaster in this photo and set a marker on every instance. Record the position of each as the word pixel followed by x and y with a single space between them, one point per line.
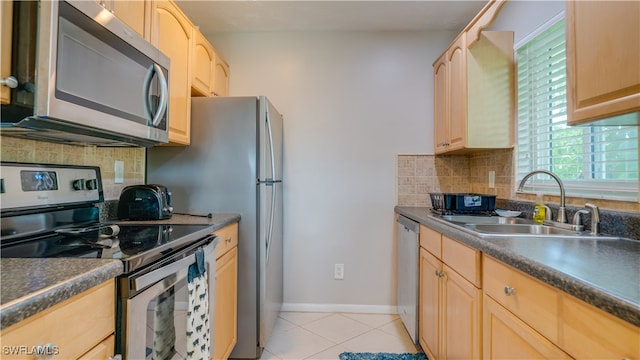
pixel 145 202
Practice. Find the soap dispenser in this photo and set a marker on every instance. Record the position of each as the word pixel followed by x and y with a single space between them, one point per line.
pixel 539 210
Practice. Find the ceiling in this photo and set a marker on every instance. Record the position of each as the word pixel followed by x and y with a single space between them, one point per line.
pixel 303 15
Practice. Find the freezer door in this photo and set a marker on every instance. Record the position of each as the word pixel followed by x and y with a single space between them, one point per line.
pixel 270 141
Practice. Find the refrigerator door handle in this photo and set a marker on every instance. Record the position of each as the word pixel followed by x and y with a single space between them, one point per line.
pixel 271 218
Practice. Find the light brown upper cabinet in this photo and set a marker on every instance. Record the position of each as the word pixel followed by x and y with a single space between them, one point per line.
pixel 136 14
pixel 6 16
pixel 474 89
pixel 603 61
pixel 172 33
pixel 204 59
pixel 210 74
pixel 221 76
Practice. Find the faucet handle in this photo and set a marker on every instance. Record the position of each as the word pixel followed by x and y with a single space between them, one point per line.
pixel 548 214
pixel 577 218
pixel 595 218
pixel 594 209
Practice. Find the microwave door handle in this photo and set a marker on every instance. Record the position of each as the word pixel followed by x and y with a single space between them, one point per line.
pixel 147 89
pixel 164 94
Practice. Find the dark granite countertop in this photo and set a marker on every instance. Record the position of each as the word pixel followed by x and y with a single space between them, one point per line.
pixel 603 273
pixel 32 285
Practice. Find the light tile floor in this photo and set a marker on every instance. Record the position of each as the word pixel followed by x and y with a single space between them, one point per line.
pixel 323 336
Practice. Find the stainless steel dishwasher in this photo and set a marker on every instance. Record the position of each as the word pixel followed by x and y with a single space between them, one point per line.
pixel 408 254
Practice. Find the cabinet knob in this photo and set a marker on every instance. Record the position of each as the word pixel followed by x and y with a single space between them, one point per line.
pixel 10 82
pixel 228 240
pixel 439 274
pixel 508 290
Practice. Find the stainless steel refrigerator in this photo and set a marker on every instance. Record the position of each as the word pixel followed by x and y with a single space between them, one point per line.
pixel 234 165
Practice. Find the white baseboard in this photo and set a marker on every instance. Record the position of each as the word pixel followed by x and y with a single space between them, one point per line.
pixel 345 308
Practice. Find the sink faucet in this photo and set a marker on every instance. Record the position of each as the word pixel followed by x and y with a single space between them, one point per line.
pixel 562 212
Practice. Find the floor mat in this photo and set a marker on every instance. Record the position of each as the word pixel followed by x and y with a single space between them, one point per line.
pixel 381 356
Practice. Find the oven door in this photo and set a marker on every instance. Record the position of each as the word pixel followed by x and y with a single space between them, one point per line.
pixel 153 322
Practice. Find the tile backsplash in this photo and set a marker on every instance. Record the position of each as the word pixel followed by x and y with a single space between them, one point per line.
pixel 30 151
pixel 417 175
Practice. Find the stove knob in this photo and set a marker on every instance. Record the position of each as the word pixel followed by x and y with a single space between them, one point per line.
pixel 82 184
pixel 92 184
pixel 78 184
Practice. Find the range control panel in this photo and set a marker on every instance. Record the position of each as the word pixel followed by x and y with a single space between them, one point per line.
pixel 25 185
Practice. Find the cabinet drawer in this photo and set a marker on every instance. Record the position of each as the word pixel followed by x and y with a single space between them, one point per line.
pixel 463 259
pixel 590 333
pixel 431 240
pixel 73 326
pixel 537 304
pixel 228 239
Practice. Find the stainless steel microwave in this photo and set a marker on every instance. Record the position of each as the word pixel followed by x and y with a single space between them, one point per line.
pixel 81 76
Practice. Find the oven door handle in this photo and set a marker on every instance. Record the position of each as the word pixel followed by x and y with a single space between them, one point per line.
pixel 166 271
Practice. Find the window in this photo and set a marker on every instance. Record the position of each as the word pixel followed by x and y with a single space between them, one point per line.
pixel 592 161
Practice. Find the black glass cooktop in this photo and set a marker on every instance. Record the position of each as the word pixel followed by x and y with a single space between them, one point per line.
pixel 136 245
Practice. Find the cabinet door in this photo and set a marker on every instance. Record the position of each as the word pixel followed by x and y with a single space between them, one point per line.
pixel 457 65
pixel 462 314
pixel 136 14
pixel 221 77
pixel 429 304
pixel 65 324
pixel 203 65
pixel 6 16
pixel 603 53
pixel 226 306
pixel 590 333
pixel 102 351
pixel 441 109
pixel 172 34
pixel 507 337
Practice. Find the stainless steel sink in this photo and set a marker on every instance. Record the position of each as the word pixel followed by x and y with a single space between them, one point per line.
pixel 497 226
pixel 519 229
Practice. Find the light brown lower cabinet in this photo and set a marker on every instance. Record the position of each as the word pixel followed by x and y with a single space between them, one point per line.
pixel 527 319
pixel 429 308
pixel 226 297
pixel 104 350
pixel 509 338
pixel 450 306
pixel 590 333
pixel 472 306
pixel 81 327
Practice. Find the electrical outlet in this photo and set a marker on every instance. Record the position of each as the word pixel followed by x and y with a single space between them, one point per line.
pixel 338 271
pixel 118 168
pixel 492 179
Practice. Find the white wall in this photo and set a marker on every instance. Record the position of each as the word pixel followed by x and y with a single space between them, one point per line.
pixel 351 102
pixel 526 17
